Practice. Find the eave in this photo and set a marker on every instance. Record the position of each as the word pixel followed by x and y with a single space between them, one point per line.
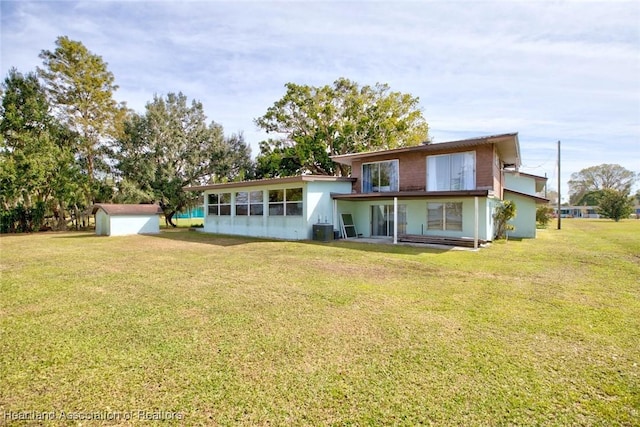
pixel 410 195
pixel 531 196
pixel 270 181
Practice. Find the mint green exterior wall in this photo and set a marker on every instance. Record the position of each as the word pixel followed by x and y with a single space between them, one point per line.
pixel 316 199
pixel 520 183
pixel 525 220
pixel 417 216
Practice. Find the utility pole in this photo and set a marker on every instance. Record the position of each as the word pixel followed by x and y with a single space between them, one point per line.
pixel 559 181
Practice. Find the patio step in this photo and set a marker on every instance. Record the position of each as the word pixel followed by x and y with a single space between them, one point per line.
pixel 439 240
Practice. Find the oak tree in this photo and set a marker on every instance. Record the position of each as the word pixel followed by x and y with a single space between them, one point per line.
pixel 313 123
pixel 594 179
pixel 171 146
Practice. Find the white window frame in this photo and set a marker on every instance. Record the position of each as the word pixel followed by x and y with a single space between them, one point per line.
pixel 218 204
pixel 429 174
pixel 444 216
pixel 250 201
pixel 391 190
pixel 285 202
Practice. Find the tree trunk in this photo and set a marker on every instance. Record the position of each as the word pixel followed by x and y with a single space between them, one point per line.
pixel 169 218
pixel 61 217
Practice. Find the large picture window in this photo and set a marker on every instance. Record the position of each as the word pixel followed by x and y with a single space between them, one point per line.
pixel 287 202
pixel 219 204
pixel 450 172
pixel 380 177
pixel 249 203
pixel 444 216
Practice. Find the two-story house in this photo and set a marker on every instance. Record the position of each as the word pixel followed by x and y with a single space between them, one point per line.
pixel 445 189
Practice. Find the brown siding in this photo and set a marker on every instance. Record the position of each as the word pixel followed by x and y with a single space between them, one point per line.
pixel 413 168
pixel 356 171
pixel 484 167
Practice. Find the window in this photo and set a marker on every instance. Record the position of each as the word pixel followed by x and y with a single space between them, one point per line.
pixel 242 203
pixel 219 204
pixel 444 216
pixel 256 203
pixel 382 220
pixel 380 177
pixel 249 203
pixel 450 172
pixel 285 202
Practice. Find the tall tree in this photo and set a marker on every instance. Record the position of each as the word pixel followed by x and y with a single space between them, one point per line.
pixel 594 179
pixel 81 89
pixel 37 166
pixel 171 146
pixel 314 123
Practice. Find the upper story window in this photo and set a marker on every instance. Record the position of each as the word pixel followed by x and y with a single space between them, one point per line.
pixel 285 202
pixel 450 172
pixel 219 204
pixel 380 177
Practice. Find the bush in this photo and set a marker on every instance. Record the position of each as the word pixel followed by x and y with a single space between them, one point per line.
pixel 615 205
pixel 544 213
pixel 503 214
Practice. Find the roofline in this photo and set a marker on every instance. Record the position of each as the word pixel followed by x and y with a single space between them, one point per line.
pixel 270 181
pixel 536 177
pixel 119 209
pixel 347 159
pixel 410 195
pixel 531 196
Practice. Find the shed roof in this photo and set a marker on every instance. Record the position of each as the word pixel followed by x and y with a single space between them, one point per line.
pixel 124 209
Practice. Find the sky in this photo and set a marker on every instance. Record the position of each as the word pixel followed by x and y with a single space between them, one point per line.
pixel 549 70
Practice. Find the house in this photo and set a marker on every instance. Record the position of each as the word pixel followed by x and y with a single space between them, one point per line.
pixel 283 208
pixel 521 188
pixel 445 190
pixel 121 219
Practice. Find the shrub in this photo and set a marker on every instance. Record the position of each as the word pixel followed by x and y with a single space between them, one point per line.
pixel 543 215
pixel 504 212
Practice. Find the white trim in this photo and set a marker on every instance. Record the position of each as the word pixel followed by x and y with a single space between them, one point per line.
pixel 477 223
pixel 397 161
pixel 395 220
pixel 475 165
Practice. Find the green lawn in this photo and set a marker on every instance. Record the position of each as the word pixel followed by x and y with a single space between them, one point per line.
pixel 237 331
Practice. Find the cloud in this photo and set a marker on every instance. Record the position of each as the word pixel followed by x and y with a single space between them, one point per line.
pixel 550 70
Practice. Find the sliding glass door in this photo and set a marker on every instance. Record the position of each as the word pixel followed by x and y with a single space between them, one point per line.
pixel 382 220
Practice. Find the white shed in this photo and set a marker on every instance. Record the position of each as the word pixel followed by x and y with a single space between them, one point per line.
pixel 122 220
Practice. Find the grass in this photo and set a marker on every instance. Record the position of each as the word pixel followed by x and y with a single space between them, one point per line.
pixel 230 331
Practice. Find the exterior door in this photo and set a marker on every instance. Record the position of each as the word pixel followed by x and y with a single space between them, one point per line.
pixel 382 220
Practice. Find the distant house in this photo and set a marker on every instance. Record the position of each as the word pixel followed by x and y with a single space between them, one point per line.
pixel 578 211
pixel 121 220
pixel 444 190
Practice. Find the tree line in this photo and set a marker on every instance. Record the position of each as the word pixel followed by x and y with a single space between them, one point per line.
pixel 65 143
